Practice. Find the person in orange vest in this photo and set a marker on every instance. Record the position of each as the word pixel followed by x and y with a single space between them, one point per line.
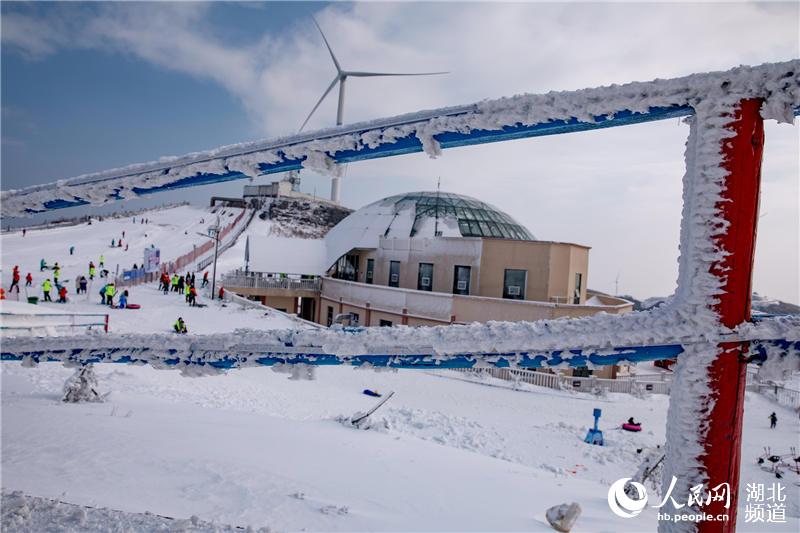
pixel 192 296
pixel 15 280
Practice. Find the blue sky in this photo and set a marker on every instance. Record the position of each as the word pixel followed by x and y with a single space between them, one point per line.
pixel 89 87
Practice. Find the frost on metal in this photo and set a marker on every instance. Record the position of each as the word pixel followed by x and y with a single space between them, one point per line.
pixel 776 83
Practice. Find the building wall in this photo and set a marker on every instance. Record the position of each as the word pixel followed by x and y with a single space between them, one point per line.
pixel 551 268
pixel 287 303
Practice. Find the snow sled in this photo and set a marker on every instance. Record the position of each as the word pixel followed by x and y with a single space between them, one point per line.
pixel 372 393
pixel 133 306
pixel 632 427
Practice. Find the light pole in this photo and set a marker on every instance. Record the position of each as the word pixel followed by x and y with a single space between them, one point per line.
pixel 214 231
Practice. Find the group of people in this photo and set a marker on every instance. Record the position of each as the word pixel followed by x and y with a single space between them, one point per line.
pixel 184 284
pixel 109 291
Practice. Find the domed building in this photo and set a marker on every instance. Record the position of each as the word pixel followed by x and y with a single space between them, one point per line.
pixel 422 258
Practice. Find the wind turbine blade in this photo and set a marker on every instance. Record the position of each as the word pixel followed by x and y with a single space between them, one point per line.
pixel 371 74
pixel 328 90
pixel 333 56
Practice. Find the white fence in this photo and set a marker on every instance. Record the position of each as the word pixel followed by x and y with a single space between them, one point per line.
pixel 779 393
pixel 259 280
pixel 16 324
pixel 625 385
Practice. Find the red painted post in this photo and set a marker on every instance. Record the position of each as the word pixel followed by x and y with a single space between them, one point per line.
pixel 728 372
pixel 105 326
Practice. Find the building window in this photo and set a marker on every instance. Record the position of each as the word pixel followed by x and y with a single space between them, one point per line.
pixel 581 372
pixel 394 273
pixel 329 319
pixel 461 277
pixel 386 323
pixel 514 284
pixel 370 270
pixel 425 277
pixel 576 297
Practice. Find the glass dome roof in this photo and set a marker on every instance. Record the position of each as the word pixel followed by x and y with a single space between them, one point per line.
pixel 474 218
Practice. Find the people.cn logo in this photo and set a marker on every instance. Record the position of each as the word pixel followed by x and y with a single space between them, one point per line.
pixel 621 504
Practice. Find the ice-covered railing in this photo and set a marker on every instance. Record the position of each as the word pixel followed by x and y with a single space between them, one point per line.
pixel 706 323
pixel 499 344
pixel 487 121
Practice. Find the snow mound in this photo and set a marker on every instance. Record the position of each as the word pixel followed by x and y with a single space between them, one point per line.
pixel 24 513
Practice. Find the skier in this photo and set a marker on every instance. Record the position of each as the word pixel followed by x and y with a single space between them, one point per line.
pixel 123 300
pixel 205 279
pixel 181 283
pixel 102 261
pixel 92 270
pixel 123 234
pixel 62 295
pixel 71 250
pixel 773 420
pixel 42 265
pixel 126 247
pixel 46 287
pixel 119 243
pixel 110 292
pixel 83 284
pixel 186 290
pixel 221 293
pixel 180 326
pixel 56 273
pixel 24 231
pixel 28 280
pixel 174 283
pixel 103 294
pixel 113 244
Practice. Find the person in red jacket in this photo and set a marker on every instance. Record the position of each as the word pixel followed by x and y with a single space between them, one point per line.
pixel 62 295
pixel 15 280
pixel 28 280
pixel 221 293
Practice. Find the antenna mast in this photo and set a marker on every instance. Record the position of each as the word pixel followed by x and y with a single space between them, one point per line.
pixel 436 210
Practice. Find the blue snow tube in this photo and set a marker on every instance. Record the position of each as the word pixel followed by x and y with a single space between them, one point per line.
pixel 371 393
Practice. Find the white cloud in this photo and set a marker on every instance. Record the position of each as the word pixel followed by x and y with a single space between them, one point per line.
pixel 616 190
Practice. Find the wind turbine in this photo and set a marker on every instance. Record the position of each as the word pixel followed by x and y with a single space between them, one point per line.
pixel 341 78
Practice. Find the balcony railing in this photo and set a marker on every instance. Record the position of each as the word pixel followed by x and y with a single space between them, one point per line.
pixel 262 280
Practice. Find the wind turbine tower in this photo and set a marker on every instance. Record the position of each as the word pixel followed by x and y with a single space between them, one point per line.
pixel 341 79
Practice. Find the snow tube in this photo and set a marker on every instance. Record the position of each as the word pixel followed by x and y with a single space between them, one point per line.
pixel 133 306
pixel 631 427
pixel 371 393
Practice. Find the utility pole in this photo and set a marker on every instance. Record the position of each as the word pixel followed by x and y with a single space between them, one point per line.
pixel 214 232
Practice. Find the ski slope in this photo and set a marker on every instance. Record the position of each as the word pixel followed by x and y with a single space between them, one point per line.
pixel 174 230
pixel 252 447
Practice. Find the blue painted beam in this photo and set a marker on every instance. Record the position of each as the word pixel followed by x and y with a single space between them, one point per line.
pixel 233 358
pixel 411 144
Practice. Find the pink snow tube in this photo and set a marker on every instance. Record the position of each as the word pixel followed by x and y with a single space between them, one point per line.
pixel 631 427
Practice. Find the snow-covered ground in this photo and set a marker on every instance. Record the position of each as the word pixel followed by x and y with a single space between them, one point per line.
pixel 450 452
pixel 254 448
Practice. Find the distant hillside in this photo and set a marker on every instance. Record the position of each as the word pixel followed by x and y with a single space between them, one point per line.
pixel 760 304
pixel 296 217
